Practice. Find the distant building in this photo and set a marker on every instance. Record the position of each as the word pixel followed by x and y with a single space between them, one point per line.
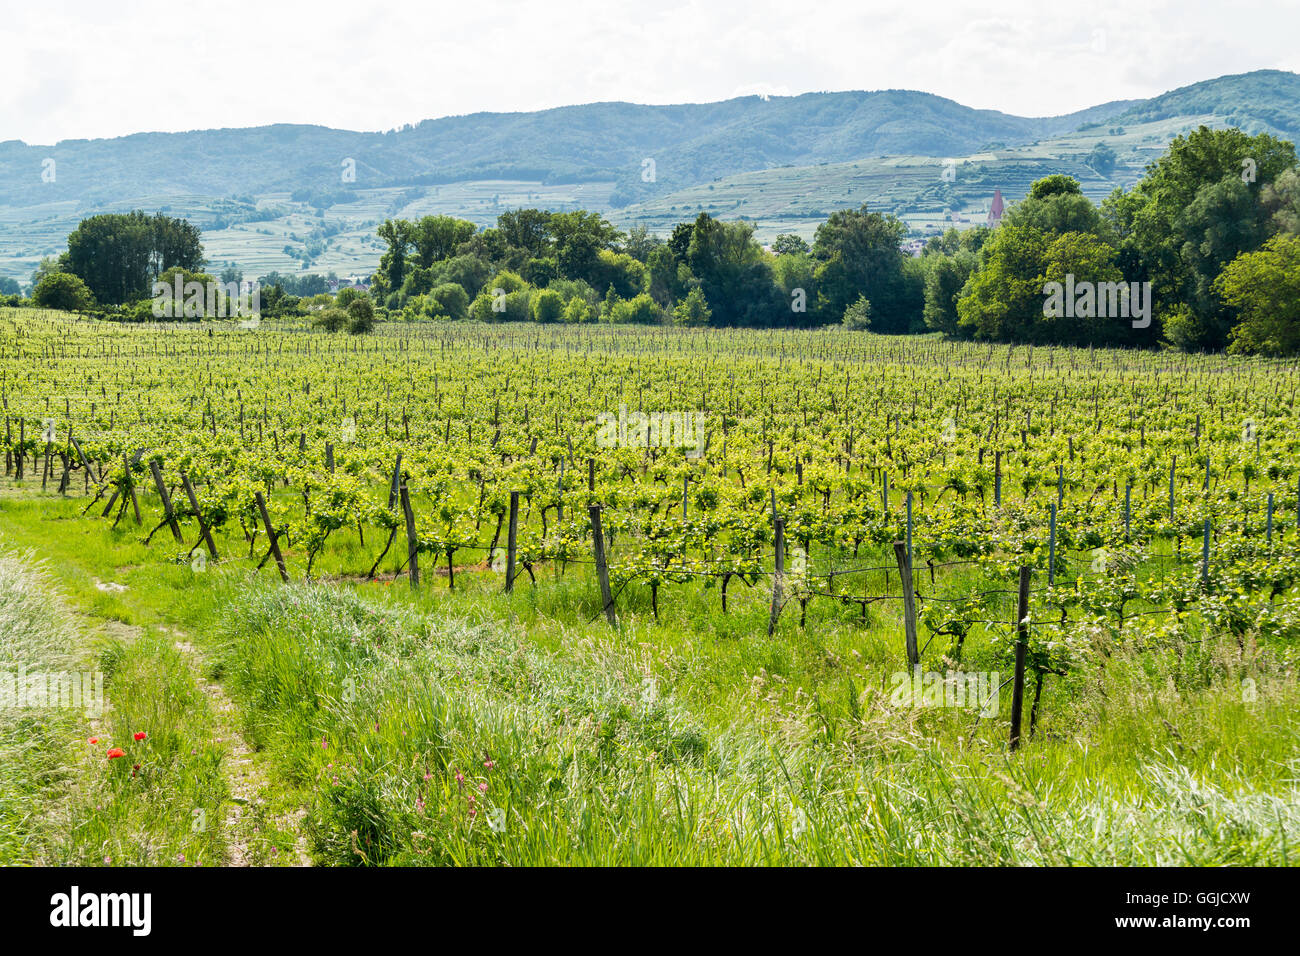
pixel 996 210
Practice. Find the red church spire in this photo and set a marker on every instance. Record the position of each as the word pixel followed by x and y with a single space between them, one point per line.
pixel 995 211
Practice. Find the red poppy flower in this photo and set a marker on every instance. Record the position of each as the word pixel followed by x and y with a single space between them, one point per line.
pixel 94 740
pixel 139 735
pixel 116 752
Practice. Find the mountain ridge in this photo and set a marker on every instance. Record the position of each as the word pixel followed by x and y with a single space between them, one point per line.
pixel 278 197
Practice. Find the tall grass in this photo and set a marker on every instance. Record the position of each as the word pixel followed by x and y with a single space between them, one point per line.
pixel 62 799
pixel 419 737
pixel 35 757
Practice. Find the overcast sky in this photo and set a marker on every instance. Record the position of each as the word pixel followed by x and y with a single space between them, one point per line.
pixel 95 68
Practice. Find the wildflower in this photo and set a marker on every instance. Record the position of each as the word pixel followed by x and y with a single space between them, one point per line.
pixel 460 780
pixel 139 735
pixel 428 776
pixel 482 787
pixel 489 764
pixel 274 851
pixel 323 743
pixel 473 811
pixel 115 752
pixel 94 740
pixel 136 767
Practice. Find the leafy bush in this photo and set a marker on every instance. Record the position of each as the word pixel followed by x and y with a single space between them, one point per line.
pixel 548 306
pixel 361 316
pixel 332 320
pixel 62 290
pixel 857 317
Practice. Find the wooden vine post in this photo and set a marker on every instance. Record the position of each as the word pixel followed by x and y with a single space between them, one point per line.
pixel 203 526
pixel 135 500
pixel 1022 648
pixel 512 541
pixel 168 513
pixel 412 539
pixel 1205 554
pixel 602 566
pixel 397 480
pixel 270 533
pixel 778 524
pixel 909 603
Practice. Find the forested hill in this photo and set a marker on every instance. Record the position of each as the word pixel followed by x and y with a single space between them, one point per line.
pixel 1268 98
pixel 598 141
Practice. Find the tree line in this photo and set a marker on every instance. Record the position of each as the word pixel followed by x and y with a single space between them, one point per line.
pixel 1209 239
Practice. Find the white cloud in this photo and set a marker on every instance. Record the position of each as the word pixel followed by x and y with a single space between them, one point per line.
pixel 88 69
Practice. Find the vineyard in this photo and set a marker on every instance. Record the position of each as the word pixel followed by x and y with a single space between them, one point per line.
pixel 943 504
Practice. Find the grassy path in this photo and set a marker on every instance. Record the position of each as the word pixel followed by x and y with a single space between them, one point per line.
pixel 193 791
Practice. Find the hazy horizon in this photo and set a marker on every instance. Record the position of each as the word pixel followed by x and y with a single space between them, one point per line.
pixel 373 68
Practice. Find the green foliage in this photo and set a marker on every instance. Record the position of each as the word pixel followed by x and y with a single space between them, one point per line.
pixel 857 317
pixel 1057 184
pixel 692 311
pixel 1265 287
pixel 361 316
pixel 62 290
pixel 1197 208
pixel 448 299
pixel 1006 299
pixel 945 277
pixel 578 309
pixel 639 310
pixel 120 255
pixel 787 244
pixel 547 306
pixel 732 272
pixel 331 320
pixel 858 254
pixel 619 271
pixel 1102 158
pixel 364 700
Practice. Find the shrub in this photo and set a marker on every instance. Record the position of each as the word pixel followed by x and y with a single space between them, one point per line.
pixel 361 316
pixel 692 310
pixel 641 310
pixel 62 290
pixel 548 306
pixel 332 320
pixel 857 317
